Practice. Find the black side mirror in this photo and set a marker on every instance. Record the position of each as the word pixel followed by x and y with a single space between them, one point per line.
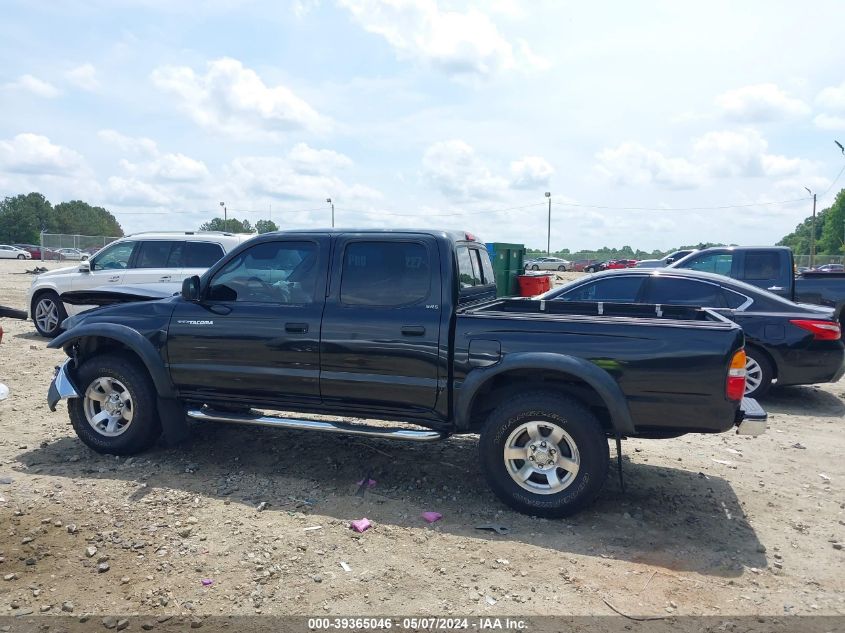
pixel 670 260
pixel 191 289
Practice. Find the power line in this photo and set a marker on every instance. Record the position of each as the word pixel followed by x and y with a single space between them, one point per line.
pixel 835 180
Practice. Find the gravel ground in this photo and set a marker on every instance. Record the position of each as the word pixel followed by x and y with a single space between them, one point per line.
pixel 255 521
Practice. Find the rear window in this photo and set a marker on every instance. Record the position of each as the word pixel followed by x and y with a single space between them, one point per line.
pixel 385 273
pixel 468 273
pixel 486 267
pixel 762 265
pixel 202 254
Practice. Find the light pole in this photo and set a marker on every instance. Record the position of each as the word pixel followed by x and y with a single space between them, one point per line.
pixel 813 230
pixel 329 200
pixel 225 216
pixel 549 233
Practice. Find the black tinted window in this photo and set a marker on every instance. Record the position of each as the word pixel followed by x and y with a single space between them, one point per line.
pixel 762 265
pixel 384 273
pixel 202 254
pixel 153 254
pixel 467 273
pixel 272 272
pixel 684 292
pixel 733 299
pixel 614 289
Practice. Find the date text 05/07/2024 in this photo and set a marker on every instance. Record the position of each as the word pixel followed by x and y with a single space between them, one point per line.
pixel 418 623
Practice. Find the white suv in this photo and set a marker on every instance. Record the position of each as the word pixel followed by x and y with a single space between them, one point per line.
pixel 142 258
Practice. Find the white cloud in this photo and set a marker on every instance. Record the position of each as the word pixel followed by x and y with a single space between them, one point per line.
pixel 169 167
pixel 459 43
pixel 135 145
pixel 316 161
pixel 832 98
pixel 36 86
pixel 718 154
pixel 454 168
pixel 84 76
pixel 132 192
pixel 829 122
pixel 301 8
pixel 233 99
pixel 531 172
pixel 35 154
pixel 632 164
pixel 760 102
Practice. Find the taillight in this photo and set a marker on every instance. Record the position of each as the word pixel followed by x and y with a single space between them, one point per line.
pixel 735 387
pixel 822 330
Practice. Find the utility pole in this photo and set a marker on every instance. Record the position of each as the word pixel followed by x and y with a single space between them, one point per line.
pixel 225 216
pixel 329 200
pixel 813 231
pixel 549 232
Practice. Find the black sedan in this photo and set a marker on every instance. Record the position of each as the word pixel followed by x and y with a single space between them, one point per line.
pixel 786 342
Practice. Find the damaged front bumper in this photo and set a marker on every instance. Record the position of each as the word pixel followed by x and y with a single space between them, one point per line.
pixel 61 387
pixel 751 418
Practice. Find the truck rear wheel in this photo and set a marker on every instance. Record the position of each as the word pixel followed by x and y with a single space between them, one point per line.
pixel 544 454
pixel 116 411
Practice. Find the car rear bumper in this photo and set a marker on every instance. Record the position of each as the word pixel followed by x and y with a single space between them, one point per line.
pixel 822 361
pixel 61 387
pixel 751 418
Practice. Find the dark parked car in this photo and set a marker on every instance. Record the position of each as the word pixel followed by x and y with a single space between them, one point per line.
pixel 790 343
pixel 829 268
pixel 403 326
pixel 595 267
pixel 580 265
pixel 38 252
pixel 772 268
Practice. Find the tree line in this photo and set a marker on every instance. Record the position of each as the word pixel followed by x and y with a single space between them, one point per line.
pixel 233 225
pixel 830 231
pixel 25 216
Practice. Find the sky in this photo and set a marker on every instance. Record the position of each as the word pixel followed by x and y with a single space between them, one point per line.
pixel 651 124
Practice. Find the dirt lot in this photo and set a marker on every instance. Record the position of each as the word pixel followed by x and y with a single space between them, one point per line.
pixel 709 525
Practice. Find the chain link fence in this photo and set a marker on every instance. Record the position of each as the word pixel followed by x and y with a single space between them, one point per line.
pixel 803 261
pixel 63 246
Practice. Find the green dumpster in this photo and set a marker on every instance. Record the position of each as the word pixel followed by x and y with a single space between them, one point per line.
pixel 508 262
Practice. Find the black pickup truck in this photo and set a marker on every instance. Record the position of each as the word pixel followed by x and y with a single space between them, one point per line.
pixel 771 268
pixel 403 326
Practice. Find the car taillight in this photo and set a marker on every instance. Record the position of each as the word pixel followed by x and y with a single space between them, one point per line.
pixel 822 330
pixel 735 387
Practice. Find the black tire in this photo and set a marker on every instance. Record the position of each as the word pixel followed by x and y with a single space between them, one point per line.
pixel 535 267
pixel 550 410
pixel 766 372
pixel 562 268
pixel 43 300
pixel 145 427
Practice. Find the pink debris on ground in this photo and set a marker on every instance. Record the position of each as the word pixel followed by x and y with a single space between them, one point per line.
pixel 360 525
pixel 371 483
pixel 431 517
pixel 207 582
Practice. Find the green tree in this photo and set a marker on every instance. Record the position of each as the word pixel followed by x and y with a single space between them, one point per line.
pixel 80 218
pixel 232 225
pixel 23 217
pixel 266 226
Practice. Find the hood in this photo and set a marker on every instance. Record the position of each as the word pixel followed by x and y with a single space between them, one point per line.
pixel 109 295
pixel 59 271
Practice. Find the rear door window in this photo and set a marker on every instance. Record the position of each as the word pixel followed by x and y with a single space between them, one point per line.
pixel 468 274
pixel 153 254
pixel 760 266
pixel 385 273
pixel 689 292
pixel 622 289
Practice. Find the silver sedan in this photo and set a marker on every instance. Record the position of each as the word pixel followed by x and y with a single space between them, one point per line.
pixel 548 263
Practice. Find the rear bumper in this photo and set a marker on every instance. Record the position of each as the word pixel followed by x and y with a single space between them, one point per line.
pixel 822 361
pixel 751 418
pixel 61 387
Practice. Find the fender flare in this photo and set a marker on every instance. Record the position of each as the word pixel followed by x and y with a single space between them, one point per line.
pixel 131 339
pixel 597 378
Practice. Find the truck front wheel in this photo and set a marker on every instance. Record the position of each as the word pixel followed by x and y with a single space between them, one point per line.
pixel 116 411
pixel 544 454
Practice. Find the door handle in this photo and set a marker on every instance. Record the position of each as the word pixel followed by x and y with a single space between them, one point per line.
pixel 300 328
pixel 775 288
pixel 413 330
pixel 164 278
pixel 115 278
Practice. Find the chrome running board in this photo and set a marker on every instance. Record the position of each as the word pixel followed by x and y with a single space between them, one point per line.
pixel 210 415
